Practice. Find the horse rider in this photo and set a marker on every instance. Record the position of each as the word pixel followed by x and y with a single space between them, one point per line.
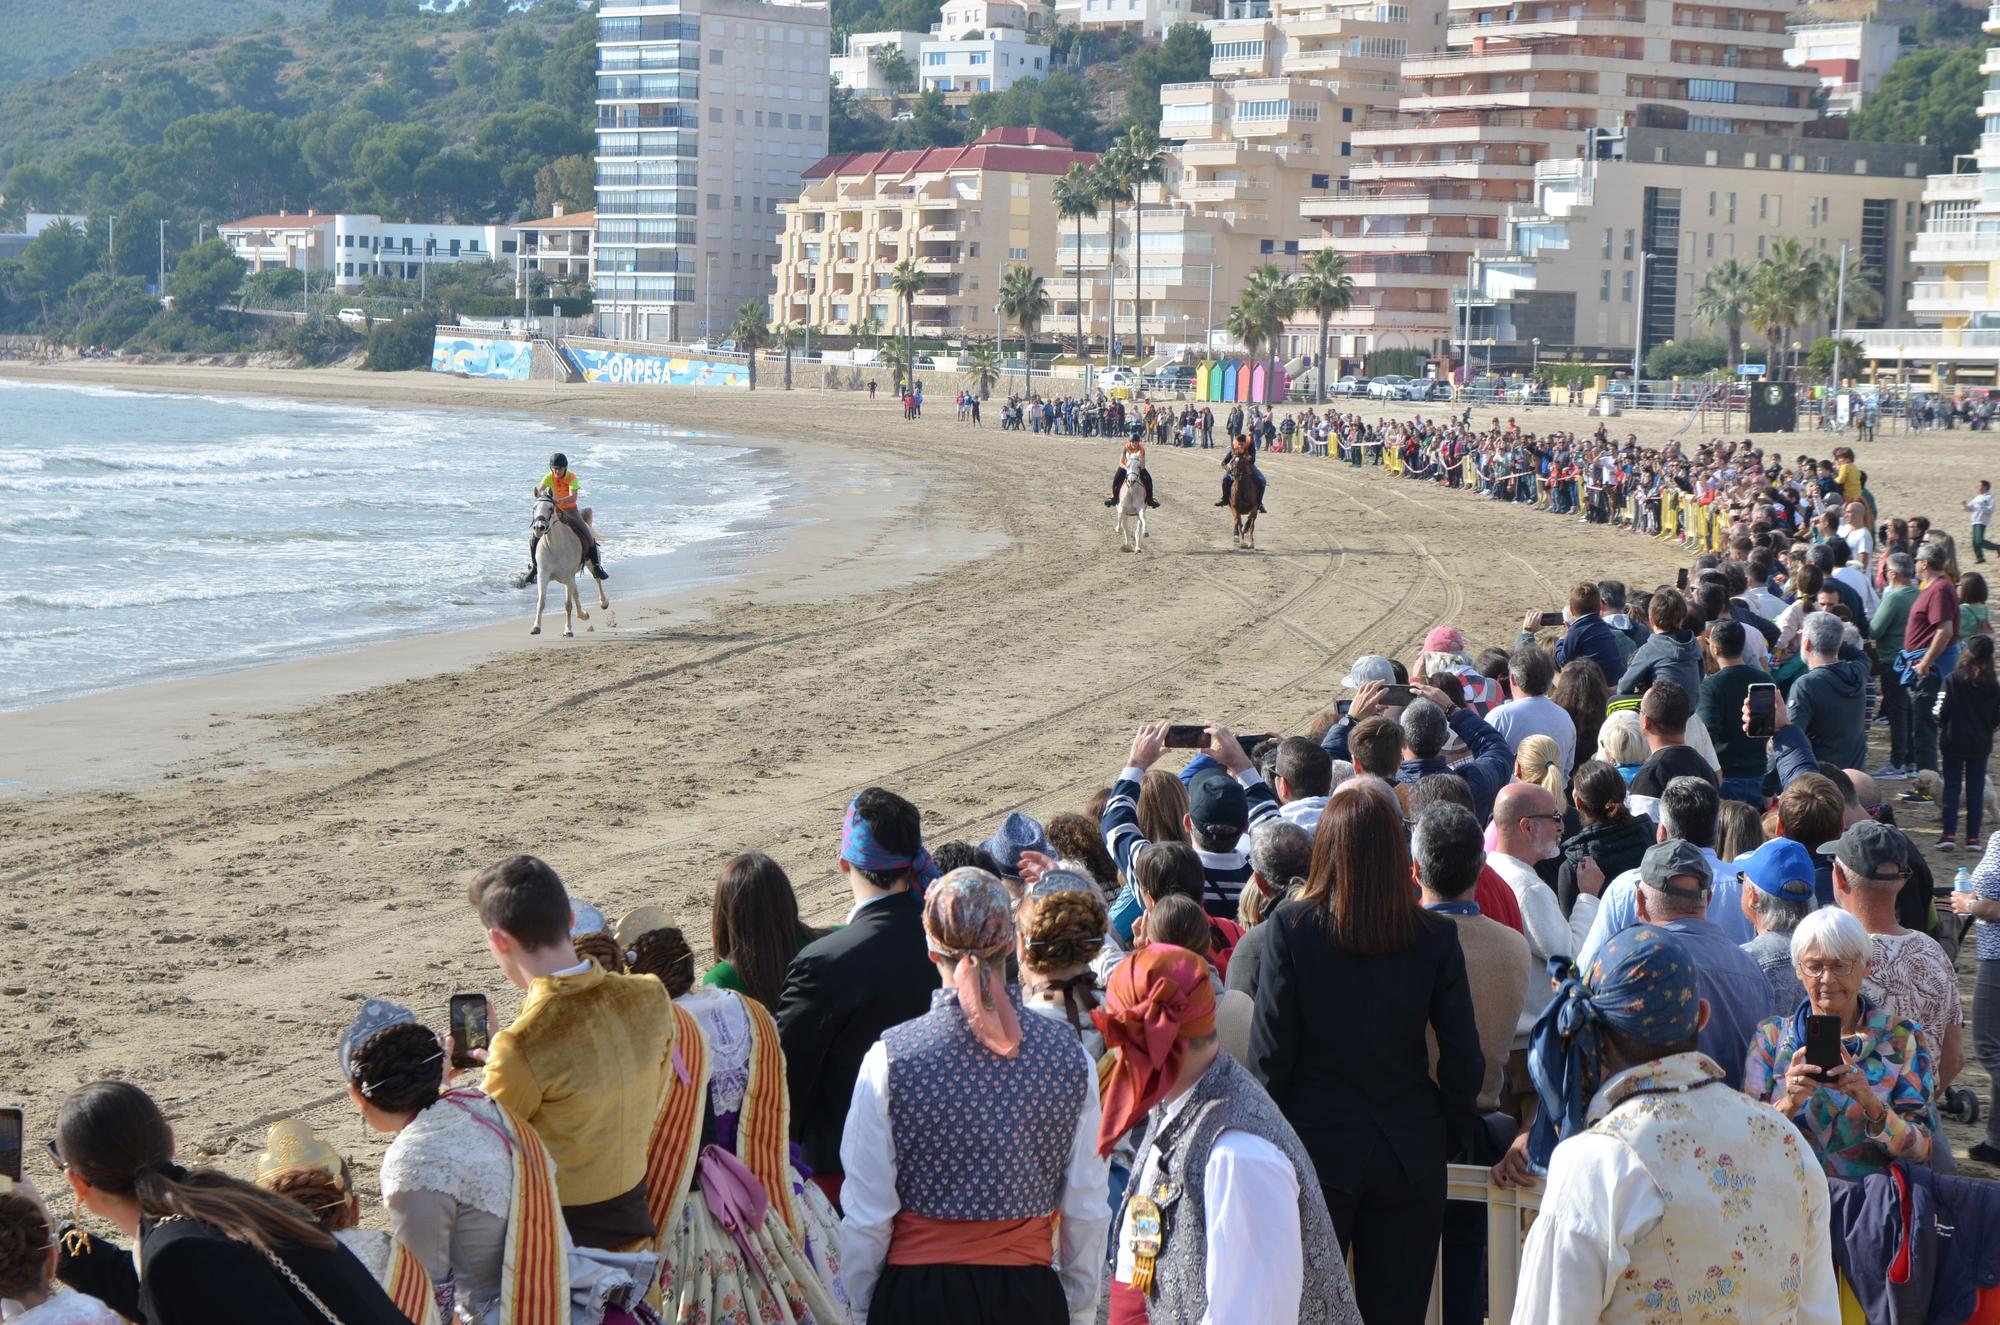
pixel 1134 450
pixel 561 487
pixel 1241 446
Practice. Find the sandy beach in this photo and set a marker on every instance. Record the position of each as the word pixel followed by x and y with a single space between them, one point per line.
pixel 209 875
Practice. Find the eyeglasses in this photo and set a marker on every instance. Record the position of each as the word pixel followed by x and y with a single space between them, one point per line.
pixel 1820 970
pixel 1552 818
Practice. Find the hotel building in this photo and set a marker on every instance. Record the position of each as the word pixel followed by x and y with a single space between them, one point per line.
pixel 707 112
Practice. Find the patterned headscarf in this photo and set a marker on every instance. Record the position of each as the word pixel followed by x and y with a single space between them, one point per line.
pixel 1159 998
pixel 1642 985
pixel 969 918
pixel 859 848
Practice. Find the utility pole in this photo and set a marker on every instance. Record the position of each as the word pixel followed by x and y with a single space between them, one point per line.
pixel 111 239
pixel 1839 314
pixel 163 255
pixel 1208 332
pixel 1639 328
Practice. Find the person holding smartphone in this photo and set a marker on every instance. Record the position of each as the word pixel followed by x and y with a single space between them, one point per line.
pixel 1869 1106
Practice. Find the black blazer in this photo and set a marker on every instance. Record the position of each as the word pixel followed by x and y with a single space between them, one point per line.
pixel 1339 1041
pixel 841 993
pixel 195 1275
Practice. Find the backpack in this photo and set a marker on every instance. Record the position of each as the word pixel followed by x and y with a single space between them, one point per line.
pixel 1223 935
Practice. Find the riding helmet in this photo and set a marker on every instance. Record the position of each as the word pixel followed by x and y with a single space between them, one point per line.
pixel 559 461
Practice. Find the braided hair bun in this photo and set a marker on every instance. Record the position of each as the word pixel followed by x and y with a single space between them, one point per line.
pixel 24 1247
pixel 601 948
pixel 664 953
pixel 1063 930
pixel 318 1192
pixel 400 1069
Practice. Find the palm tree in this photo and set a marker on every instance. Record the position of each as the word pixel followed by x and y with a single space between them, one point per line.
pixel 1326 288
pixel 1146 163
pixel 898 359
pixel 1076 197
pixel 1856 297
pixel 1111 171
pixel 1725 300
pixel 906 281
pixel 1024 298
pixel 1270 299
pixel 982 364
pixel 752 332
pixel 1788 284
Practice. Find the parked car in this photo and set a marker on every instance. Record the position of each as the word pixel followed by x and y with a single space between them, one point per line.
pixel 1430 388
pixel 1387 387
pixel 1110 378
pixel 353 317
pixel 923 361
pixel 1174 377
pixel 1484 390
pixel 1350 385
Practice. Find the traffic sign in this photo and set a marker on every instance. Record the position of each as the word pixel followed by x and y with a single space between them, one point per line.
pixel 1749 370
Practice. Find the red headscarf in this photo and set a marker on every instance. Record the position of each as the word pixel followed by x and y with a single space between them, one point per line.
pixel 1159 998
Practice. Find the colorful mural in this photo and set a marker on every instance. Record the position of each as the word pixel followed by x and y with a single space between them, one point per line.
pixel 655 369
pixel 481 356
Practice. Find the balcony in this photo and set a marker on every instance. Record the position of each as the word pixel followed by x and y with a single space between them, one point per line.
pixel 1934 247
pixel 1992 23
pixel 1220 190
pixel 1948 296
pixel 1930 344
pixel 1945 188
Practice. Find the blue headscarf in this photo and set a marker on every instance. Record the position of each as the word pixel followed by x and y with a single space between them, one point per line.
pixel 1642 985
pixel 859 848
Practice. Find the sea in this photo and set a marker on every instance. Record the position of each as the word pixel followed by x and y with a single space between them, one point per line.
pixel 146 536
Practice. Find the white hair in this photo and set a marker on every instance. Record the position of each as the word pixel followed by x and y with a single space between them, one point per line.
pixel 1620 741
pixel 1833 933
pixel 1822 632
pixel 1342 771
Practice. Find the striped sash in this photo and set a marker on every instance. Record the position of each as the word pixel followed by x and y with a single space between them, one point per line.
pixel 763 1132
pixel 534 1275
pixel 410 1286
pixel 677 1131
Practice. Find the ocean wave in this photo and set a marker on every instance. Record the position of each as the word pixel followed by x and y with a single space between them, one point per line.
pixel 106 600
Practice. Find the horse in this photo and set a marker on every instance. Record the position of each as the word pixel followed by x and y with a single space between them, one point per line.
pixel 558 557
pixel 1243 498
pixel 1131 520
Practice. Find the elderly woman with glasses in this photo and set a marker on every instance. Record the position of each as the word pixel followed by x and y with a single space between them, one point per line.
pixel 1873 1108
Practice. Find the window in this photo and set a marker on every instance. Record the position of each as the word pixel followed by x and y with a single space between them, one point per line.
pixel 715 202
pixel 1321 182
pixel 715 114
pixel 794 122
pixel 1711 203
pixel 1017 255
pixel 1628 246
pixel 1732 209
pixel 1266 246
pixel 1347 149
pixel 1708 158
pixel 1237 50
pixel 1625 288
pixel 933 57
pixel 714 55
pixel 1760 248
pixel 1604 286
pixel 1763 206
pixel 1711 244
pixel 815 121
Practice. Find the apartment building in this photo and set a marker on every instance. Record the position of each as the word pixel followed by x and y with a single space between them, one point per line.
pixel 858 67
pixel 1953 331
pixel 1520 83
pixel 555 247
pixel 357 245
pixel 992 61
pixel 1290 83
pixel 707 112
pixel 1150 17
pixel 963 214
pixel 1849 57
pixel 1621 237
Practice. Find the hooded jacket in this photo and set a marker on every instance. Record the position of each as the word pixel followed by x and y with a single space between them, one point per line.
pixel 1616 845
pixel 1673 656
pixel 1827 704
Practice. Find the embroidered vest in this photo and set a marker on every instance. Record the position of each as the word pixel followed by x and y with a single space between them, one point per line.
pixel 979 1136
pixel 1732 1172
pixel 1228 1098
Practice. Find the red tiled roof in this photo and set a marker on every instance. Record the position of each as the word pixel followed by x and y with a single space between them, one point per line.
pixel 567 221
pixel 1017 150
pixel 280 221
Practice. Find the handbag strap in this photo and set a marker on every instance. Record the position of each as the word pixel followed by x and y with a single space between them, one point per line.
pixel 278 1264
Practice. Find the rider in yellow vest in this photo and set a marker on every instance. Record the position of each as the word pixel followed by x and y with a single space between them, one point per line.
pixel 561 485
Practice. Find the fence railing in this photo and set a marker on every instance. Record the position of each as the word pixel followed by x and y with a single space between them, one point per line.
pixel 1509 1211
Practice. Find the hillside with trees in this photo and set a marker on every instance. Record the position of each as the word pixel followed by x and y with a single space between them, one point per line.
pixel 48 40
pixel 365 105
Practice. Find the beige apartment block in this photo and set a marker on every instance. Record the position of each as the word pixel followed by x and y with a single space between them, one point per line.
pixel 963 214
pixel 1566 280
pixel 1519 85
pixel 1273 125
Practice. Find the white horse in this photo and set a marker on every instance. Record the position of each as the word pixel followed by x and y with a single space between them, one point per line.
pixel 558 557
pixel 1131 521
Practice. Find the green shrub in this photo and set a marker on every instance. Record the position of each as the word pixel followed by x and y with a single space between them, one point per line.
pixel 1404 363
pixel 403 345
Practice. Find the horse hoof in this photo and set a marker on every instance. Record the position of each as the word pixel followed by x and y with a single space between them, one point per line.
pixel 534 630
pixel 569 634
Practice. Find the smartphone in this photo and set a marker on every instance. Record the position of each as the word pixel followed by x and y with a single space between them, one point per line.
pixel 1187 736
pixel 1823 1043
pixel 469 1030
pixel 1552 618
pixel 1341 706
pixel 1395 696
pixel 10 1144
pixel 1681 578
pixel 1763 711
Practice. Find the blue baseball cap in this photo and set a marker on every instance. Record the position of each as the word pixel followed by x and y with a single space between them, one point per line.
pixel 1782 868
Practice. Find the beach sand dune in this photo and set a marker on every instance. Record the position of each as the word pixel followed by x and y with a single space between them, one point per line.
pixel 241 860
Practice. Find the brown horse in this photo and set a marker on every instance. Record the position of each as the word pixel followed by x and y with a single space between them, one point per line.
pixel 1243 498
